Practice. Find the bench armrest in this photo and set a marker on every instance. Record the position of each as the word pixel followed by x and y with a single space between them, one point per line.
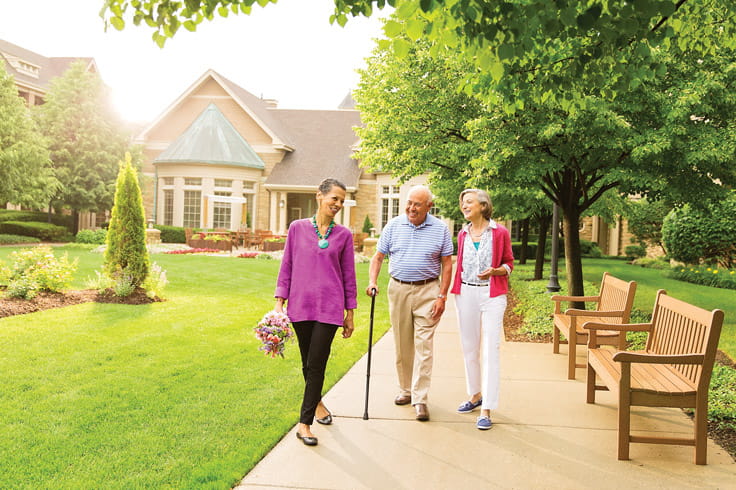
pixel 643 357
pixel 620 327
pixel 557 297
pixel 608 313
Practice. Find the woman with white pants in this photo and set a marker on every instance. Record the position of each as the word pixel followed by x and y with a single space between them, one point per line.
pixel 484 262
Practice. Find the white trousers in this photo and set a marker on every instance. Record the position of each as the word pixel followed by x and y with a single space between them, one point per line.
pixel 480 319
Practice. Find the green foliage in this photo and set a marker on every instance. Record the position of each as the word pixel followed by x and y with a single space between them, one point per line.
pixel 13 239
pixel 85 136
pixel 126 256
pixel 57 219
pixel 36 269
pixel 709 234
pixel 590 249
pixel 707 276
pixel 91 236
pixel 44 231
pixel 531 249
pixel 722 396
pixel 635 252
pixel 171 234
pixel 652 262
pixel 156 282
pixel 26 177
pixel 367 224
pixel 645 220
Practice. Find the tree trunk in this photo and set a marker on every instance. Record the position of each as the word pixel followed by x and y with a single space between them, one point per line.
pixel 524 240
pixel 543 222
pixel 75 221
pixel 48 215
pixel 573 258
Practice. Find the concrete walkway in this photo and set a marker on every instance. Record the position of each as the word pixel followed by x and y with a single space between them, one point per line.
pixel 544 434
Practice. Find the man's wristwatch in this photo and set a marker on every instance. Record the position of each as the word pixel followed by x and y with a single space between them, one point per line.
pixel 441 296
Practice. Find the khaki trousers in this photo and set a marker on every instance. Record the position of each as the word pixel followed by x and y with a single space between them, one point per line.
pixel 410 311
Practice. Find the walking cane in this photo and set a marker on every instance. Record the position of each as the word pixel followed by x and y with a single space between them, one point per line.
pixel 370 346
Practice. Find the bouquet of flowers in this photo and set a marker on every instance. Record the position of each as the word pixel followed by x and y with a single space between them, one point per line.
pixel 274 330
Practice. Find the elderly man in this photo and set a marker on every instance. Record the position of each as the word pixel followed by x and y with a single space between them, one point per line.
pixel 419 246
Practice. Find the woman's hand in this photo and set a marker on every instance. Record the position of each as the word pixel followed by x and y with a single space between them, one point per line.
pixel 279 306
pixel 347 325
pixel 492 271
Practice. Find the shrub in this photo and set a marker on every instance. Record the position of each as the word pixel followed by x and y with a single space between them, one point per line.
pixel 590 249
pixel 707 276
pixel 635 251
pixel 38 216
pixel 722 396
pixel 694 235
pixel 531 250
pixel 155 282
pixel 91 236
pixel 44 231
pixel 13 239
pixel 367 225
pixel 652 263
pixel 645 220
pixel 126 255
pixel 36 269
pixel 171 234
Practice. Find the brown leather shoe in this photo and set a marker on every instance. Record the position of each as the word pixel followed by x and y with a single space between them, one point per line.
pixel 422 412
pixel 402 400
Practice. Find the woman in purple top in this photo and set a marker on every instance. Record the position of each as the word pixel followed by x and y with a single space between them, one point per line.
pixel 317 278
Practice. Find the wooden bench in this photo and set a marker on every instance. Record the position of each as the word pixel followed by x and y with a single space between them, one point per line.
pixel 674 370
pixel 615 299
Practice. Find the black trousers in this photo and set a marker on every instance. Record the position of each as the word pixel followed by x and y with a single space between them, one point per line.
pixel 315 341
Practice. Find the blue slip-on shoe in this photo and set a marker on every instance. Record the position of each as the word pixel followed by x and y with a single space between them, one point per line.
pixel 484 422
pixel 469 406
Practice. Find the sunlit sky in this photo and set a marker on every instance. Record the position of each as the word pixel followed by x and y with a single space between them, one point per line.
pixel 286 51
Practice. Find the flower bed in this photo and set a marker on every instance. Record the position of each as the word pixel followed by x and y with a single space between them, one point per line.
pixel 194 251
pixel 707 276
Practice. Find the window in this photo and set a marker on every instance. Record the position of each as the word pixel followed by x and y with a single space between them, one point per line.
pixel 436 211
pixel 169 207
pixel 168 180
pixel 389 203
pixel 221 212
pixel 192 181
pixel 224 183
pixel 192 209
pixel 247 184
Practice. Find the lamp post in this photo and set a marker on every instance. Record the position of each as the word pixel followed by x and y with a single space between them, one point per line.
pixel 553 285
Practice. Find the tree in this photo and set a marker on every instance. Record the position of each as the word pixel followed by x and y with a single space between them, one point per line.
pixel 126 256
pixel 659 139
pixel 645 221
pixel 85 137
pixel 26 176
pixel 526 50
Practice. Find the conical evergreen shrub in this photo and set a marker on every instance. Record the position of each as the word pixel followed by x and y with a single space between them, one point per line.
pixel 126 257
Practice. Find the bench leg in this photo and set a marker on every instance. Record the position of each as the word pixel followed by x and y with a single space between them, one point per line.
pixel 590 398
pixel 701 430
pixel 555 340
pixel 572 344
pixel 624 412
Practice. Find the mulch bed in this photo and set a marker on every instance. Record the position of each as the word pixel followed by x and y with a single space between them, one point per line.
pixel 46 301
pixel 723 436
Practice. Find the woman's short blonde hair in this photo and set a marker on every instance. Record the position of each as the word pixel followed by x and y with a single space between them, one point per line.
pixel 483 198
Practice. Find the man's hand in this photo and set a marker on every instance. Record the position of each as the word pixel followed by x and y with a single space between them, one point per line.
pixel 438 308
pixel 371 290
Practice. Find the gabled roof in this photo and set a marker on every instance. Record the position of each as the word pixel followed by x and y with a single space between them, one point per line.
pixel 255 107
pixel 43 68
pixel 323 147
pixel 211 139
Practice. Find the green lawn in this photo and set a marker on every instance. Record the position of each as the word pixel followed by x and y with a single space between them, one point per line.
pixel 650 280
pixel 173 394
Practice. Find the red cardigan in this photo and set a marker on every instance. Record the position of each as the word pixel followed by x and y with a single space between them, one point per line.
pixel 502 254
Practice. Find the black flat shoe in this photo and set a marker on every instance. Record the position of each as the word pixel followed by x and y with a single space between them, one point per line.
pixel 308 441
pixel 326 420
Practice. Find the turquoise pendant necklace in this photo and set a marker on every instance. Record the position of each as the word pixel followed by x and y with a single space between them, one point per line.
pixel 322 242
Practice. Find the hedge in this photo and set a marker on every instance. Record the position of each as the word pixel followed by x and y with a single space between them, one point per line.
pixel 171 234
pixel 14 239
pixel 44 231
pixel 37 216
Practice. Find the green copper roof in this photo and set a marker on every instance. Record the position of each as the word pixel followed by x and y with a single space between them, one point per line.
pixel 211 139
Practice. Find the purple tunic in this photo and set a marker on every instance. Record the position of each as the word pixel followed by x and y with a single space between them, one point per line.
pixel 319 283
